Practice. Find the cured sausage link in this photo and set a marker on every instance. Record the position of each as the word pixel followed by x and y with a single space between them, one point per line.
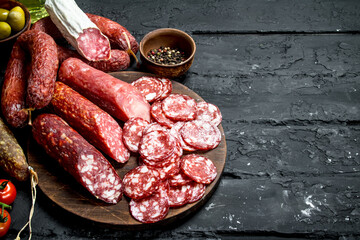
pixel 78 157
pixel 44 66
pixel 118 98
pixel 94 124
pixel 118 61
pixel 14 89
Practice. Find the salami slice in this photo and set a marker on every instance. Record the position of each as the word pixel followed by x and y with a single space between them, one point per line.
pixel 197 192
pixel 198 168
pixel 153 208
pixel 132 133
pixel 159 116
pixel 150 87
pixel 140 182
pixel 208 112
pixel 201 135
pixel 179 195
pixel 167 88
pixel 179 107
pixel 157 145
pixel 179 179
pixel 153 127
pixel 175 131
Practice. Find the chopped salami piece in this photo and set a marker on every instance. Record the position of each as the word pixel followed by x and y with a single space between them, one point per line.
pixel 198 168
pixel 167 88
pixel 157 145
pixel 140 182
pixel 153 127
pixel 201 135
pixel 159 116
pixel 150 87
pixel 132 133
pixel 198 191
pixel 179 196
pixel 179 179
pixel 179 107
pixel 153 208
pixel 175 131
pixel 208 112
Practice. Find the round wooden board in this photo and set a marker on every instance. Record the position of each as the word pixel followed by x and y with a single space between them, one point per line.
pixel 62 189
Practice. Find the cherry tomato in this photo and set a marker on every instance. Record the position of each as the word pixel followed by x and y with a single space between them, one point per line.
pixel 5 221
pixel 7 191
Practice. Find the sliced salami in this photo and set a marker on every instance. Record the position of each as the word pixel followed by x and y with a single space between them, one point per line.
pixel 167 88
pixel 140 182
pixel 150 87
pixel 179 196
pixel 175 131
pixel 153 127
pixel 132 133
pixel 157 145
pixel 179 179
pixel 197 192
pixel 198 168
pixel 179 107
pixel 174 157
pixel 153 208
pixel 208 112
pixel 201 135
pixel 159 116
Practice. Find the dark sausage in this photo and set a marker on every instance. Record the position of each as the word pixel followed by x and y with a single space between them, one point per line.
pixel 14 89
pixel 78 157
pixel 94 124
pixel 118 98
pixel 12 157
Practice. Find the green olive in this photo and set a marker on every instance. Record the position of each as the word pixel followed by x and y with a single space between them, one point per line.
pixel 16 18
pixel 5 30
pixel 3 14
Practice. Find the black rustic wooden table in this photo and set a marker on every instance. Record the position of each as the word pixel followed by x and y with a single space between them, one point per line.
pixel 286 77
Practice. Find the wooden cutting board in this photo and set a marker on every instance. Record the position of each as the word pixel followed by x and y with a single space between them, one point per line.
pixel 63 190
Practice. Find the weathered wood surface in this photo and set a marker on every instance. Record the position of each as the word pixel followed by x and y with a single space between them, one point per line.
pixel 286 76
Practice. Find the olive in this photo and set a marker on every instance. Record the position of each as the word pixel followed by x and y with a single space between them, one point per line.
pixel 16 18
pixel 5 30
pixel 3 14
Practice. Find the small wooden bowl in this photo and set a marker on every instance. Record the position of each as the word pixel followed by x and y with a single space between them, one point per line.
pixel 167 37
pixel 9 5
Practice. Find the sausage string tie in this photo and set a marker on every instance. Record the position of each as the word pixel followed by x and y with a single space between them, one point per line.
pixel 34 181
pixel 129 51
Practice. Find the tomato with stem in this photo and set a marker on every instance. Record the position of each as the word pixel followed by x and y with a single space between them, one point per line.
pixel 5 220
pixel 7 191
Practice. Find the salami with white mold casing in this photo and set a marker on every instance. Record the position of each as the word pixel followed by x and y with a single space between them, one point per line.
pixel 94 124
pixel 120 99
pixel 78 29
pixel 78 157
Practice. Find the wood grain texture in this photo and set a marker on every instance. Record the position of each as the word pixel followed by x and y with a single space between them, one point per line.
pixel 61 188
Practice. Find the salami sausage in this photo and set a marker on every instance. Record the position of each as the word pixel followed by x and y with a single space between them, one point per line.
pixel 118 61
pixel 150 87
pixel 79 30
pixel 198 168
pixel 120 99
pixel 116 33
pixel 47 26
pixel 14 89
pixel 12 157
pixel 78 157
pixel 44 66
pixel 94 124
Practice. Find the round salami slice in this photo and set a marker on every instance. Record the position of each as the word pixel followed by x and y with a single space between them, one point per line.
pixel 198 191
pixel 175 131
pixel 150 87
pixel 140 182
pixel 179 179
pixel 199 168
pixel 167 88
pixel 179 107
pixel 132 133
pixel 174 157
pixel 153 127
pixel 179 196
pixel 159 116
pixel 201 135
pixel 151 209
pixel 157 145
pixel 208 112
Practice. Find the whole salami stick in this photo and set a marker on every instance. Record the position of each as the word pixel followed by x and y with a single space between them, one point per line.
pixel 118 98
pixel 78 157
pixel 94 124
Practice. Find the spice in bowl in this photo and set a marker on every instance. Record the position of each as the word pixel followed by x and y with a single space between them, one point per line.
pixel 166 56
